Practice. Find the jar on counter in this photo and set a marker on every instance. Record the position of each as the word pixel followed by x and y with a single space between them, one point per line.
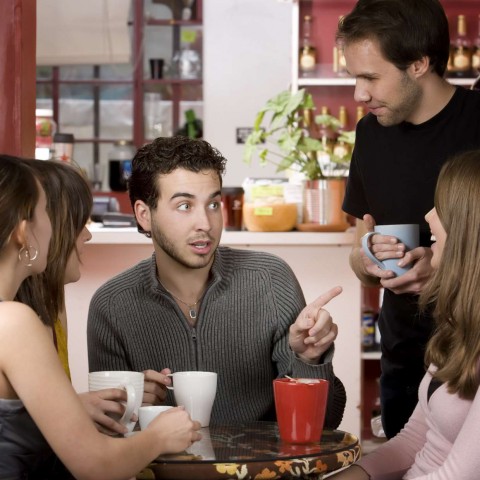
pixel 45 129
pixel 63 146
pixel 120 165
pixel 232 204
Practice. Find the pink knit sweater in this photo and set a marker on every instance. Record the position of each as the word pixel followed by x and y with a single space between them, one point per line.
pixel 440 441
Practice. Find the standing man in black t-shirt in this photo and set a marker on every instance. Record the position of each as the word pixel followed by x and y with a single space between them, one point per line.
pixel 397 50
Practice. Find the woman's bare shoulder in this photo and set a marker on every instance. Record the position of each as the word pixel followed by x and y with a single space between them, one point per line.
pixel 17 314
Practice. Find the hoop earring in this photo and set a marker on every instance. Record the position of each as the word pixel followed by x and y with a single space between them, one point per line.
pixel 27 255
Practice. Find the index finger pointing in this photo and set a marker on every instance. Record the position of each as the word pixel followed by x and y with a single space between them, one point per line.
pixel 324 298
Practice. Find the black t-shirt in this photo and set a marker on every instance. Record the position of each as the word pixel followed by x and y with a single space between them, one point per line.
pixel 393 175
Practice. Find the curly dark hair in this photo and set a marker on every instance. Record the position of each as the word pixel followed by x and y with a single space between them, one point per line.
pixel 163 156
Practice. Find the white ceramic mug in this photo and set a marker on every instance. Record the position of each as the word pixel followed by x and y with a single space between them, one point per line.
pixel 148 413
pixel 407 233
pixel 196 392
pixel 131 382
pixel 204 447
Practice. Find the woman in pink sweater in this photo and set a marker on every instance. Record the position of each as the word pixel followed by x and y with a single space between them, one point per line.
pixel 439 441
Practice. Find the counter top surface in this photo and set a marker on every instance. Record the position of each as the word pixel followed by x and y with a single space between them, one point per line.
pixel 130 236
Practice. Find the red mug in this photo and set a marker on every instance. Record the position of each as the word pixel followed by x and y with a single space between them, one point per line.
pixel 300 404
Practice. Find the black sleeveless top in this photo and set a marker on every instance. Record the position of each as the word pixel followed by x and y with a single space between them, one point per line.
pixel 24 452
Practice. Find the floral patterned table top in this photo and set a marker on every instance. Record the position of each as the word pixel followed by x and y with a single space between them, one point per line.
pixel 254 451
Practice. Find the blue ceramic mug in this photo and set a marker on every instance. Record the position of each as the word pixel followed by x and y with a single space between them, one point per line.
pixel 408 234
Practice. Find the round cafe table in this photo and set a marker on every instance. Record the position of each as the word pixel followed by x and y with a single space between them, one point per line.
pixel 254 451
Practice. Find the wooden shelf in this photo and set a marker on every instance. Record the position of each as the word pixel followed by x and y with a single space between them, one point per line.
pixel 375 355
pixel 160 22
pixel 324 76
pixel 168 81
pixel 138 79
pixel 93 81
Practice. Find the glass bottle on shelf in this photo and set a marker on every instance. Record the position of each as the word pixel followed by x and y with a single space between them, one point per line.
pixel 186 61
pixel 308 53
pixel 311 128
pixel 339 63
pixel 461 50
pixel 328 137
pixel 153 116
pixel 476 51
pixel 326 134
pixel 187 9
pixel 360 113
pixel 341 149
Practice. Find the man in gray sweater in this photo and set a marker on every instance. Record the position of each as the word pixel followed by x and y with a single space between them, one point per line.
pixel 195 305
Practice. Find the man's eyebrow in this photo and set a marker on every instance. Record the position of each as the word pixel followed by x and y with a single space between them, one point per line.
pixel 367 75
pixel 190 195
pixel 182 194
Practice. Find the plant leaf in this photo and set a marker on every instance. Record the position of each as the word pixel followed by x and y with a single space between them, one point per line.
pixel 288 141
pixel 258 120
pixel 263 157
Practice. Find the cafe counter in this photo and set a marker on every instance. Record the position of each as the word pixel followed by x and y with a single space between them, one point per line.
pixel 319 259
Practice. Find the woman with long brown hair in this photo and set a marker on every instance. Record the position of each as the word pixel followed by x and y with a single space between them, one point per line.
pixel 439 442
pixel 69 205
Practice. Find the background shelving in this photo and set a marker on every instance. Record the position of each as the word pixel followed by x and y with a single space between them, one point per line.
pixel 110 100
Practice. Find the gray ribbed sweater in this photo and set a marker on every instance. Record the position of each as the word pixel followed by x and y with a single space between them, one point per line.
pixel 241 332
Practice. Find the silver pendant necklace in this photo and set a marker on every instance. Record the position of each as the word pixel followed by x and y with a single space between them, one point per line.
pixel 192 312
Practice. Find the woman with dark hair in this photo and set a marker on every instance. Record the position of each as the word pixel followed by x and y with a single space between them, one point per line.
pixel 69 204
pixel 439 440
pixel 41 416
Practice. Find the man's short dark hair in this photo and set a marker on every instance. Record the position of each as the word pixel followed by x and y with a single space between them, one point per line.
pixel 406 30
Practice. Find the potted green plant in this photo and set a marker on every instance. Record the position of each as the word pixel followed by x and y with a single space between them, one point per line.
pixel 283 134
pixel 288 134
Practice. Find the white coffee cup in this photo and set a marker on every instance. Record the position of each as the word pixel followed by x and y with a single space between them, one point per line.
pixel 204 447
pixel 196 392
pixel 148 413
pixel 131 382
pixel 408 234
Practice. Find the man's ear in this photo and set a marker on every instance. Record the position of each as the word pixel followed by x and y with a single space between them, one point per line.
pixel 420 67
pixel 143 215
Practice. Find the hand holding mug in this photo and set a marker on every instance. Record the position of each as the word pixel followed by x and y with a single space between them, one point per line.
pixel 415 279
pixel 176 430
pixel 155 387
pixel 105 407
pixel 131 382
pixel 390 245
